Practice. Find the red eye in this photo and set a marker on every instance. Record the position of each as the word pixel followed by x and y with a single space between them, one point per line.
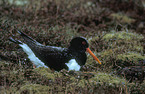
pixel 84 43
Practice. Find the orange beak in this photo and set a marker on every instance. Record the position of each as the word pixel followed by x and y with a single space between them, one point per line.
pixel 91 53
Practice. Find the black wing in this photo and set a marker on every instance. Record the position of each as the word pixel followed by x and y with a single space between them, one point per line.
pixel 53 57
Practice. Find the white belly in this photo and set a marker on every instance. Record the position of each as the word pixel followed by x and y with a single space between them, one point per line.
pixel 73 65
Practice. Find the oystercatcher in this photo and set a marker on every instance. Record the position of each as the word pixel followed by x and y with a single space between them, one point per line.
pixel 56 58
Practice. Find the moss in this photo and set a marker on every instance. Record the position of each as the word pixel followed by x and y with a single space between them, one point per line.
pixel 90 60
pixel 131 57
pixel 108 79
pixel 124 41
pixel 34 88
pixel 115 44
pixel 82 83
pixel 72 78
pixel 126 36
pixel 46 72
pixel 122 18
pixel 10 90
pixel 138 48
pixel 107 53
pixel 55 22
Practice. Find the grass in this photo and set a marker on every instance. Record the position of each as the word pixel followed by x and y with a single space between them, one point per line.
pixel 113 28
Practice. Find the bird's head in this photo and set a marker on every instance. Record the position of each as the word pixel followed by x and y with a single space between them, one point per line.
pixel 80 44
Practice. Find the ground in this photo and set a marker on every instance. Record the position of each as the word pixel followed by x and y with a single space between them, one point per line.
pixel 115 31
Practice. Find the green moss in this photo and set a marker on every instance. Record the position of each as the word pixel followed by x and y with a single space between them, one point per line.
pixel 131 57
pixel 107 56
pixel 124 41
pixel 126 36
pixel 138 48
pixel 108 79
pixel 122 18
pixel 10 90
pixel 55 22
pixel 82 83
pixel 107 53
pixel 46 72
pixel 72 78
pixel 34 88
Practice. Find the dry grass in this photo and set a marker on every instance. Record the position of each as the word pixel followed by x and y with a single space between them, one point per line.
pixel 115 33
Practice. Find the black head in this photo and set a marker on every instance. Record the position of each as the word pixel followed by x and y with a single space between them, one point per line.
pixel 79 44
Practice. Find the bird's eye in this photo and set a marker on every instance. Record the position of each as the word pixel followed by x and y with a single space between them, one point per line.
pixel 84 43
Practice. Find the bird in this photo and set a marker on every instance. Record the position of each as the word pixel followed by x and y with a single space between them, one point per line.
pixel 56 58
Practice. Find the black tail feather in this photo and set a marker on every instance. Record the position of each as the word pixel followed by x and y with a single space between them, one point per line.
pixel 21 33
pixel 15 41
pixel 24 35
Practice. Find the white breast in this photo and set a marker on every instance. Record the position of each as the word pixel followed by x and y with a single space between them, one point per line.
pixel 37 62
pixel 73 65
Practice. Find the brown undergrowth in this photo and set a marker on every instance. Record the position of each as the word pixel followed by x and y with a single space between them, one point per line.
pixel 115 31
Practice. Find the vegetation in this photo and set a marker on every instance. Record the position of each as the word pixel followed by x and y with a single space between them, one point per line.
pixel 115 31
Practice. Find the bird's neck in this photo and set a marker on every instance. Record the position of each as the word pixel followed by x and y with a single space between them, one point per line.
pixel 79 56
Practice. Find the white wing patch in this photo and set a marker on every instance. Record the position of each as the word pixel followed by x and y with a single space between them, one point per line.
pixel 73 65
pixel 37 62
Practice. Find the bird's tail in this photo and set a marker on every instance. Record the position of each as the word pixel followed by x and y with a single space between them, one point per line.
pixel 25 36
pixel 15 41
pixel 29 41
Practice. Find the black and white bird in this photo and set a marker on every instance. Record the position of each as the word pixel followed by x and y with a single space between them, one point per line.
pixel 56 58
